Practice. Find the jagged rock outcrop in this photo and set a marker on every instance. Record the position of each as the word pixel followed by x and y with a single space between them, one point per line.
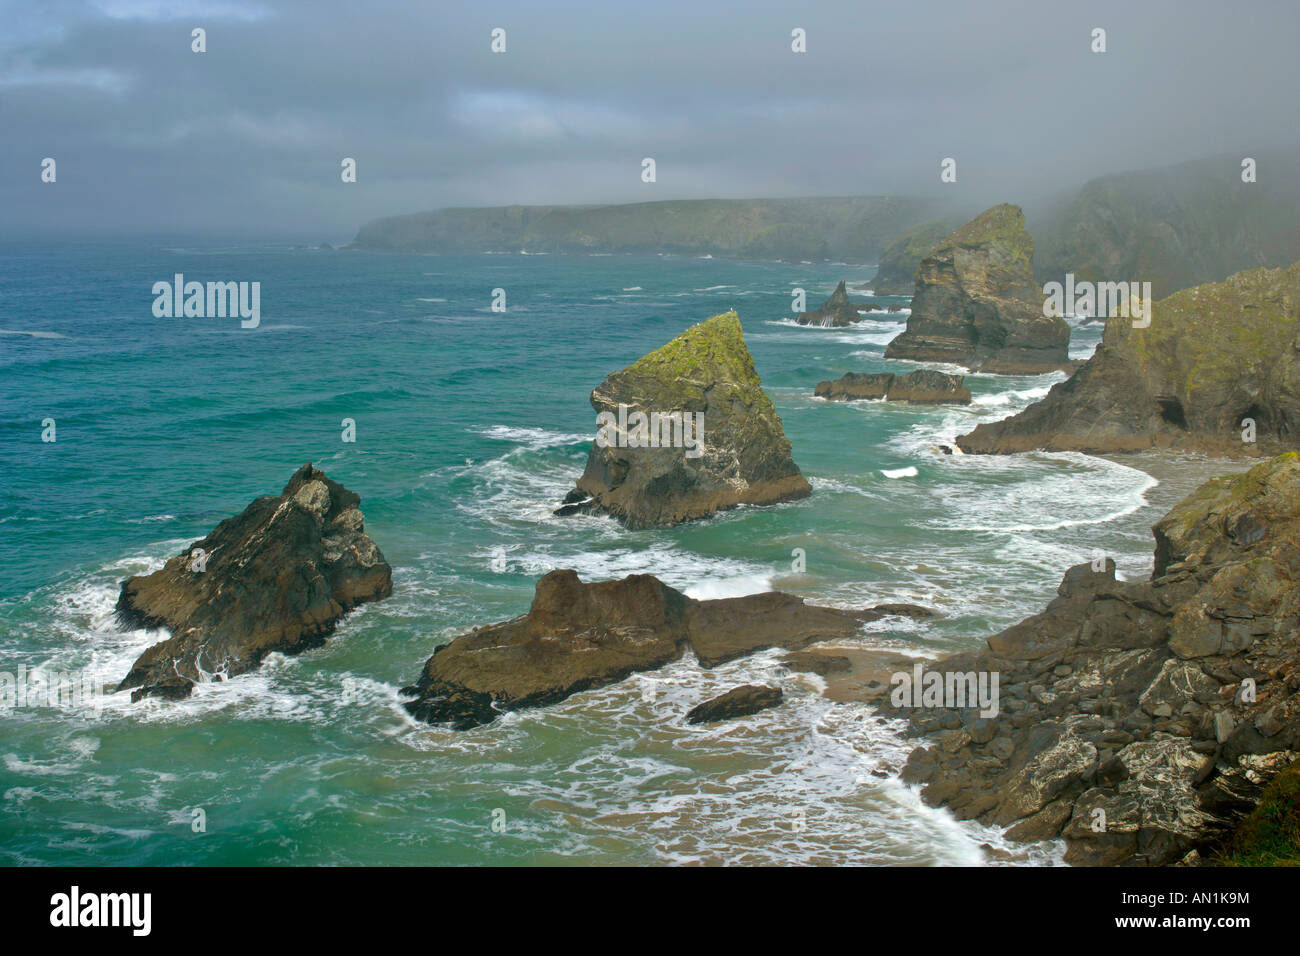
pixel 1139 720
pixel 977 304
pixel 579 636
pixel 922 387
pixel 896 272
pixel 277 577
pixel 641 470
pixel 1212 357
pixel 836 312
pixel 738 702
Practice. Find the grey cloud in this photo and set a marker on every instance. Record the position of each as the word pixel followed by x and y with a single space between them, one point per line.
pixel 246 139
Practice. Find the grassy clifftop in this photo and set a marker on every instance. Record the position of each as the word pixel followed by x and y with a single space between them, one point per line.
pixel 850 229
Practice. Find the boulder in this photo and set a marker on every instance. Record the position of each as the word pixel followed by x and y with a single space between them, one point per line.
pixel 977 304
pixel 277 577
pixel 737 702
pixel 835 312
pixel 580 636
pixel 1212 357
pixel 641 470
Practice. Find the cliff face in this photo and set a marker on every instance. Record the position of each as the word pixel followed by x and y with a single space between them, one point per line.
pixel 896 272
pixel 736 453
pixel 846 229
pixel 1176 226
pixel 276 577
pixel 1141 720
pixel 1212 357
pixel 977 303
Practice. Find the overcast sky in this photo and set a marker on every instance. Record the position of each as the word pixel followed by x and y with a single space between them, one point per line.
pixel 246 139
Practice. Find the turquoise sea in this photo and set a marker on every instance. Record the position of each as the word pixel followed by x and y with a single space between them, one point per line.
pixel 471 425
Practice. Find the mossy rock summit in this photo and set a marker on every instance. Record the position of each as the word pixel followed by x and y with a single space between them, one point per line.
pixel 692 434
pixel 977 303
pixel 1212 357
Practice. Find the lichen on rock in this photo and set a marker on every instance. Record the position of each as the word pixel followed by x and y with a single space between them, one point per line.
pixel 743 456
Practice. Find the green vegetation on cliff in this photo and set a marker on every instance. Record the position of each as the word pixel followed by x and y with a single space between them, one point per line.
pixel 1175 226
pixel 896 274
pixel 1270 834
pixel 850 229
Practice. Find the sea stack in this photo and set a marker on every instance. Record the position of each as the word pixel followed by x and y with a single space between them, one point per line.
pixel 835 312
pixel 277 577
pixel 1216 370
pixel 685 432
pixel 978 305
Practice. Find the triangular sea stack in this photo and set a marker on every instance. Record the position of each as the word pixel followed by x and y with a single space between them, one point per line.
pixel 705 375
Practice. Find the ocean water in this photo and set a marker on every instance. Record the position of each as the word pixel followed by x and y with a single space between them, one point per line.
pixel 470 427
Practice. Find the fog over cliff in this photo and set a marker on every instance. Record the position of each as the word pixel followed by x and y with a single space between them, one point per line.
pixel 246 138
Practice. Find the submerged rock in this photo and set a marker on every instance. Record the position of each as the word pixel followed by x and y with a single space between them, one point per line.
pixel 580 636
pixel 922 387
pixel 738 702
pixel 835 312
pixel 726 446
pixel 277 577
pixel 1212 357
pixel 977 304
pixel 1139 720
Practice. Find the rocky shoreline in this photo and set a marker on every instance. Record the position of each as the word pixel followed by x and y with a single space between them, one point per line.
pixel 1141 720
